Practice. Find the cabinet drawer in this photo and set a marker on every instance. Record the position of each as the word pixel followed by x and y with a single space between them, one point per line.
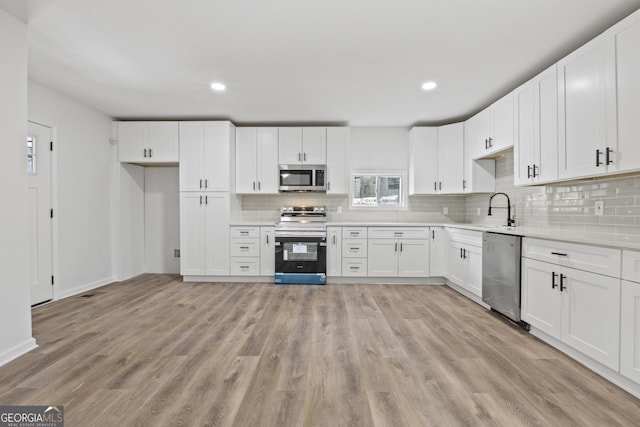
pixel 469 237
pixel 354 232
pixel 245 247
pixel 354 267
pixel 245 232
pixel 354 248
pixel 398 232
pixel 595 259
pixel 631 266
pixel 249 266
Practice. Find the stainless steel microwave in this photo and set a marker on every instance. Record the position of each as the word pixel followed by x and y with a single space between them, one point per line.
pixel 303 178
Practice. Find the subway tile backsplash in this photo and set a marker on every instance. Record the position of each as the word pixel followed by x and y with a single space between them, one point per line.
pixel 419 208
pixel 566 206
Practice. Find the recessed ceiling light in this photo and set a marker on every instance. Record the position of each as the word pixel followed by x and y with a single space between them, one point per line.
pixel 429 85
pixel 218 87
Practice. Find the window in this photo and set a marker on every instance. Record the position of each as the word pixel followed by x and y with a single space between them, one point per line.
pixel 382 190
pixel 31 155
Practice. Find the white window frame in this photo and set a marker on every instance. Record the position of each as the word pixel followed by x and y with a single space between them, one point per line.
pixel 403 192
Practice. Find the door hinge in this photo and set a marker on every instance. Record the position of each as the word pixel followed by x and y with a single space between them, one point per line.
pixel 50 145
pixel 52 280
pixel 51 213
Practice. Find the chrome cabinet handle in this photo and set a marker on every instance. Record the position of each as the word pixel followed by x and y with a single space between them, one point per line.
pixel 304 157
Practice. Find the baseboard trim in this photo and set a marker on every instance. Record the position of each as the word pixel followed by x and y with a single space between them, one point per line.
pixel 17 351
pixel 473 297
pixel 84 288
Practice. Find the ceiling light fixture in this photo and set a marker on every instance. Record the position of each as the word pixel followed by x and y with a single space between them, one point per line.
pixel 429 85
pixel 219 87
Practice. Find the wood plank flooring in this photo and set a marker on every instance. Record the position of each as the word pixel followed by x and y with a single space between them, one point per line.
pixel 154 351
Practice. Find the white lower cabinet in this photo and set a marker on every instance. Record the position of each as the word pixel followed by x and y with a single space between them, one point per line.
pixel 244 248
pixel 334 251
pixel 398 252
pixel 267 251
pixel 579 308
pixel 630 316
pixel 630 331
pixel 465 260
pixel 204 234
pixel 354 251
pixel 438 252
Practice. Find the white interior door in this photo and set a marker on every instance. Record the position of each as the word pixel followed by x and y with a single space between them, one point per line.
pixel 39 195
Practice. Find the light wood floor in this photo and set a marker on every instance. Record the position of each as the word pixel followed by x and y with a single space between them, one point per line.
pixel 154 351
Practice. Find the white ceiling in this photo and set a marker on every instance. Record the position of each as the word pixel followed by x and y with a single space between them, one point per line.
pixel 355 62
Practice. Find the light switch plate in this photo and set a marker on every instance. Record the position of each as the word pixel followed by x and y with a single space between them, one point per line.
pixel 599 207
pixel 445 210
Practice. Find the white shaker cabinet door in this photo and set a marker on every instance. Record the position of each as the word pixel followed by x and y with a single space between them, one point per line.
pixel 192 232
pixel 267 251
pixel 587 108
pixel 216 217
pixel 524 159
pixel 334 251
pixel 382 257
pixel 267 161
pixel 338 160
pixel 191 168
pixel 132 141
pixel 423 160
pixel 163 142
pixel 218 139
pixel 413 260
pixel 627 45
pixel 630 331
pixel 540 296
pixel 591 315
pixel 290 145
pixel 246 160
pixel 314 145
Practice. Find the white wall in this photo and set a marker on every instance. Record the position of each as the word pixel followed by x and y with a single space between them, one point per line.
pixel 130 211
pixel 15 312
pixel 161 219
pixel 82 162
pixel 379 148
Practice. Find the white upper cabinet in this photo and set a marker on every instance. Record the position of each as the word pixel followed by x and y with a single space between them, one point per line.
pixel 479 175
pixel 207 150
pixel 338 141
pixel 302 145
pixel 451 158
pixel 587 144
pixel 494 127
pixel 627 47
pixel 436 159
pixel 148 142
pixel 536 129
pixel 423 160
pixel 256 160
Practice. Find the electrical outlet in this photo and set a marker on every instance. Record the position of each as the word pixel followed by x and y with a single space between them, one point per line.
pixel 478 212
pixel 445 210
pixel 339 209
pixel 599 207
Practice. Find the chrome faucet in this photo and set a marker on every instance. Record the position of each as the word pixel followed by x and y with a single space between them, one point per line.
pixel 510 221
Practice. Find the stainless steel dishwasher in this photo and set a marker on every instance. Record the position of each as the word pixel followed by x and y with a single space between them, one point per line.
pixel 501 273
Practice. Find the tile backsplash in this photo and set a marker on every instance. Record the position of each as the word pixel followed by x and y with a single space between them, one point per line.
pixel 568 206
pixel 419 208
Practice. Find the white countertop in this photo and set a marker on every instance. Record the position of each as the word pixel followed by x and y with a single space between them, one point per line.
pixel 533 232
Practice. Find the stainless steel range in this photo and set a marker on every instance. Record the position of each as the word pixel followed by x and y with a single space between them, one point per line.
pixel 301 245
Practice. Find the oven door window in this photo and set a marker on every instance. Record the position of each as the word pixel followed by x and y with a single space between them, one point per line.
pixel 296 178
pixel 300 251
